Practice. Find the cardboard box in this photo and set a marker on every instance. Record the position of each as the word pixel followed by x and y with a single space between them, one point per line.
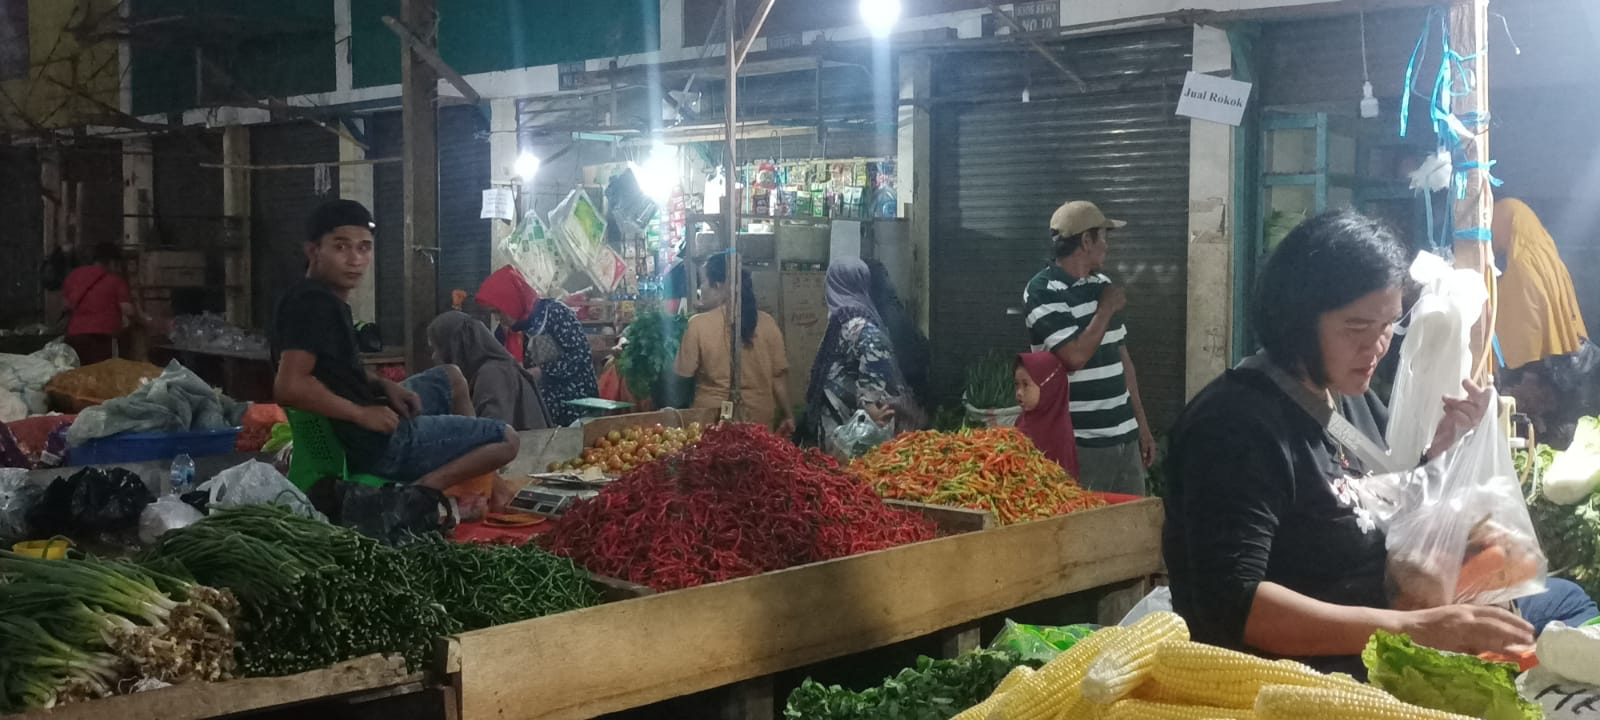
pixel 804 321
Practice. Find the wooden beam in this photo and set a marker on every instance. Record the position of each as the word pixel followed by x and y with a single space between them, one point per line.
pixel 1469 34
pixel 419 91
pixel 1027 37
pixel 760 19
pixel 431 56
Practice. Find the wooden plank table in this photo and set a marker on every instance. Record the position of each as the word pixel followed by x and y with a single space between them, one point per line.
pixel 631 654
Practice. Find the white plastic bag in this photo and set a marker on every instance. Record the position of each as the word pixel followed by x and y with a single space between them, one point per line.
pixel 1436 355
pixel 256 483
pixel 168 513
pixel 859 435
pixel 1159 600
pixel 1562 699
pixel 1458 529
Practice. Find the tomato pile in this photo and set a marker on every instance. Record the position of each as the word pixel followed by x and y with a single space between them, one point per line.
pixel 623 450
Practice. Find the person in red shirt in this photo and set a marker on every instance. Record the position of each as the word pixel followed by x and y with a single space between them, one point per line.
pixel 100 304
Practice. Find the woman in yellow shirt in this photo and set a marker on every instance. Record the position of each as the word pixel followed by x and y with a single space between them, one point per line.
pixel 706 354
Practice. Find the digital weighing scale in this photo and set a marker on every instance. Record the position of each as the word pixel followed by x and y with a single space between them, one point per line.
pixel 551 494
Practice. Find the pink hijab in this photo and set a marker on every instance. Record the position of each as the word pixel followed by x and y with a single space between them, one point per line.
pixel 1049 425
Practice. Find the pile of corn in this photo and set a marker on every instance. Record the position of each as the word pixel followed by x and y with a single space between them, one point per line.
pixel 1151 671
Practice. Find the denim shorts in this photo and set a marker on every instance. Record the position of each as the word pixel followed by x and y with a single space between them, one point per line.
pixel 428 442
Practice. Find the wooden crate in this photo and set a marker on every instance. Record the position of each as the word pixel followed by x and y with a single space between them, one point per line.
pixel 718 635
pixel 951 520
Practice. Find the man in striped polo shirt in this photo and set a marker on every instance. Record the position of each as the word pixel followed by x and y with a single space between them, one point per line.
pixel 1073 312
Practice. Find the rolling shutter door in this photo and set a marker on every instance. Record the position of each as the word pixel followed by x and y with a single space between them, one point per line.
pixel 1001 166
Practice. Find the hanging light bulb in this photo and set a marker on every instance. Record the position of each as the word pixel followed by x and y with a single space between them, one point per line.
pixel 526 166
pixel 880 16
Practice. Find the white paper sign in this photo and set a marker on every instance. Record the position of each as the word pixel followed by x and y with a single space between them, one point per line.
pixel 499 204
pixel 1208 97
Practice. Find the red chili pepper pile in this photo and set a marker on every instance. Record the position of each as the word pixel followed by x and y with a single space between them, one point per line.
pixel 740 502
pixel 997 469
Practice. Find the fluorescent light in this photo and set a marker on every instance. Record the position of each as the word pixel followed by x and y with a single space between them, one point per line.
pixel 526 166
pixel 658 174
pixel 880 16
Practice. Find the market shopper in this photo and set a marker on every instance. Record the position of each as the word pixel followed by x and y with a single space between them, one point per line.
pixel 705 353
pixel 1046 418
pixel 553 343
pixel 910 345
pixel 1549 364
pixel 1264 540
pixel 500 388
pixel 855 367
pixel 1074 312
pixel 100 306
pixel 404 432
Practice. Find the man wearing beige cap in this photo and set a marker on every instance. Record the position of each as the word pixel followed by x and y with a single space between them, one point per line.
pixel 1073 312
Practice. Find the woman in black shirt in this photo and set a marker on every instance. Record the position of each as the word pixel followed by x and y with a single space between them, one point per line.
pixel 1263 542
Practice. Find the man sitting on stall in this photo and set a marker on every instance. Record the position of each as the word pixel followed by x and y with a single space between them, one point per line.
pixel 421 431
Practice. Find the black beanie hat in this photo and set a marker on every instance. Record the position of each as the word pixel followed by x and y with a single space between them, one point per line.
pixel 336 213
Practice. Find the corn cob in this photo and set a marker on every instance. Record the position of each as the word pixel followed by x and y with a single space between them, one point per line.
pixel 1127 660
pixel 1017 675
pixel 1131 709
pixel 1207 675
pixel 1053 690
pixel 1289 702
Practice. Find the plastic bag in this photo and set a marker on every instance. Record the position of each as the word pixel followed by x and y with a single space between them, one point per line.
pixel 256 483
pixel 1458 529
pixel 861 434
pixel 1037 643
pixel 1435 357
pixel 168 513
pixel 1159 600
pixel 17 497
pixel 1562 699
pixel 91 502
pixel 393 513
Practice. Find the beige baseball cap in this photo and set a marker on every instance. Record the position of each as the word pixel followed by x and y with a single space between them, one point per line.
pixel 1080 216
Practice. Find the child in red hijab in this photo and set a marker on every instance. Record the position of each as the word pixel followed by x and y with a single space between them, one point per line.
pixel 1046 411
pixel 509 295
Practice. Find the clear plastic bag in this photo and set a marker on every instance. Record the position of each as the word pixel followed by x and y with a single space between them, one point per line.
pixel 861 434
pixel 17 497
pixel 1435 357
pixel 168 513
pixel 1458 529
pixel 1039 643
pixel 256 483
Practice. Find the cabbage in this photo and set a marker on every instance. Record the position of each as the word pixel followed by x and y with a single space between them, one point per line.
pixel 1460 684
pixel 1573 475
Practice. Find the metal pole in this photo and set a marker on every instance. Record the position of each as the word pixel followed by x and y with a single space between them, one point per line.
pixel 1469 29
pixel 730 210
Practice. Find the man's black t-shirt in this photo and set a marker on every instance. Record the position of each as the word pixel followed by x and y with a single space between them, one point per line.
pixel 1258 493
pixel 311 318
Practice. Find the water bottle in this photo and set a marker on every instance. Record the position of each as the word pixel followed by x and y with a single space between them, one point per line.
pixel 182 474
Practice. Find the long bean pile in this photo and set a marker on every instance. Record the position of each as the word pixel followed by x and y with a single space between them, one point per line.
pixel 311 594
pixel 740 502
pixel 996 470
pixel 79 629
pixel 488 585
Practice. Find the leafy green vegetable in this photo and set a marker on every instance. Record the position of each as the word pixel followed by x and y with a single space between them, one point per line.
pixel 931 690
pixel 1573 475
pixel 1568 534
pixel 991 382
pixel 1446 681
pixel 652 346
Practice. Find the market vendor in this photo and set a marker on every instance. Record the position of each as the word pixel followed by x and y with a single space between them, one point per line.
pixel 1263 539
pixel 501 389
pixel 421 431
pixel 705 354
pixel 553 343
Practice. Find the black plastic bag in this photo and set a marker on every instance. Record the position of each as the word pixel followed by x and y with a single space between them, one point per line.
pixel 90 503
pixel 394 512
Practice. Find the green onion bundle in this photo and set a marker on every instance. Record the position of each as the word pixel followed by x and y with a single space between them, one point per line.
pixel 311 594
pixel 991 382
pixel 79 629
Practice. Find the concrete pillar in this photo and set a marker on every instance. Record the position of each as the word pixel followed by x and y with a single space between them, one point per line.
pixel 355 183
pixel 236 208
pixel 914 177
pixel 503 151
pixel 1211 226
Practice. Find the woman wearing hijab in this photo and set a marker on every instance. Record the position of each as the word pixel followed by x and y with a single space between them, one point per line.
pixel 1537 314
pixel 1046 412
pixel 855 367
pixel 705 354
pixel 910 345
pixel 1550 366
pixel 501 389
pixel 553 341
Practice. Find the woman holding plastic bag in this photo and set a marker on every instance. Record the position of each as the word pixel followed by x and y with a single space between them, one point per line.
pixel 1267 543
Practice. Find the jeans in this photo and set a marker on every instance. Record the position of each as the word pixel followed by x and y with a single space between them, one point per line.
pixel 1562 600
pixel 1115 469
pixel 433 439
